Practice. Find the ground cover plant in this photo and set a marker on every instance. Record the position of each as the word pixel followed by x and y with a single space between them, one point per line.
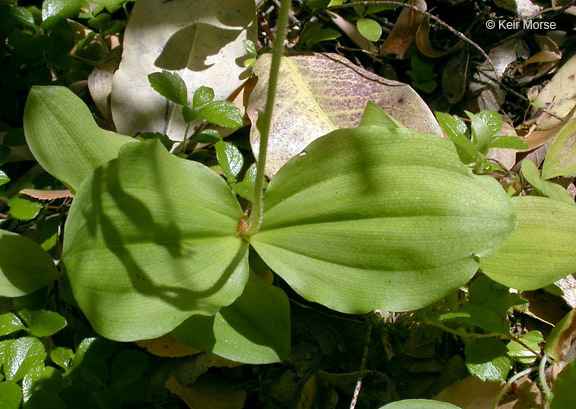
pixel 194 221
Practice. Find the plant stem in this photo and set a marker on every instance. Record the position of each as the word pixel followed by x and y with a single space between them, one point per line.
pixel 507 386
pixel 265 119
pixel 542 376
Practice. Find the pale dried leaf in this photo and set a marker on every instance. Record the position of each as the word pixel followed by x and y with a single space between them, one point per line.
pixel 201 40
pixel 209 392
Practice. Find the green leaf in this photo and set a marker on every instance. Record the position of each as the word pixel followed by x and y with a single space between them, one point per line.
pixel 23 207
pixel 540 251
pixel 61 8
pixel 487 359
pixel 245 189
pixel 254 329
pixel 492 119
pixel 170 85
pixel 419 404
pixel 518 353
pixel 128 368
pixel 563 389
pixel 43 323
pixel 508 142
pixel 203 96
pixel 371 30
pixel 151 240
pixel 561 155
pixel 24 266
pixel 229 158
pixel 457 131
pixel 552 190
pixel 208 136
pixel 189 114
pixel 497 298
pixel 64 137
pixel 482 317
pixel 40 388
pixel 62 357
pixel 111 5
pixel 21 355
pixel 9 323
pixel 361 220
pixel 222 113
pixel 482 133
pixel 250 47
pixel 3 178
pixel 10 395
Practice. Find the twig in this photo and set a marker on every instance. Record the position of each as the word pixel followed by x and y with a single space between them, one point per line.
pixel 362 365
pixel 431 16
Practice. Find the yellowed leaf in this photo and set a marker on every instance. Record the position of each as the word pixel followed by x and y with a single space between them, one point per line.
pixel 318 93
pixel 166 346
pixel 209 392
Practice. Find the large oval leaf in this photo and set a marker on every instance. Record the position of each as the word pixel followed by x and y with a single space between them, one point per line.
pixel 255 329
pixel 24 266
pixel 541 250
pixel 199 39
pixel 380 218
pixel 64 137
pixel 150 241
pixel 318 93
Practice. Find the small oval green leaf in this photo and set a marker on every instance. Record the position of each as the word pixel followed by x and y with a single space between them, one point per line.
pixel 419 404
pixel 487 359
pixel 371 30
pixel 203 96
pixel 222 113
pixel 43 323
pixel 170 85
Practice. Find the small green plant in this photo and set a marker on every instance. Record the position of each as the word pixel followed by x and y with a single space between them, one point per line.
pixel 422 74
pixel 473 145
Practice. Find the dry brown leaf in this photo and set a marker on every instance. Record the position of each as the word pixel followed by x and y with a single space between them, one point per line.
pixel 318 93
pixel 471 393
pixel 546 128
pixel 166 346
pixel 209 392
pixel 401 39
pixel 455 77
pixel 47 194
pixel 425 46
pixel 352 32
pixel 100 84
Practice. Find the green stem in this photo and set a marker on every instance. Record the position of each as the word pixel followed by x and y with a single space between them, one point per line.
pixel 265 119
pixel 510 382
pixel 542 376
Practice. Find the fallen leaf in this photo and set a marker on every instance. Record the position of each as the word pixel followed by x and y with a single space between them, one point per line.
pixel 100 84
pixel 425 46
pixel 350 29
pixel 471 393
pixel 403 35
pixel 199 39
pixel 523 8
pixel 47 194
pixel 209 392
pixel 318 93
pixel 166 346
